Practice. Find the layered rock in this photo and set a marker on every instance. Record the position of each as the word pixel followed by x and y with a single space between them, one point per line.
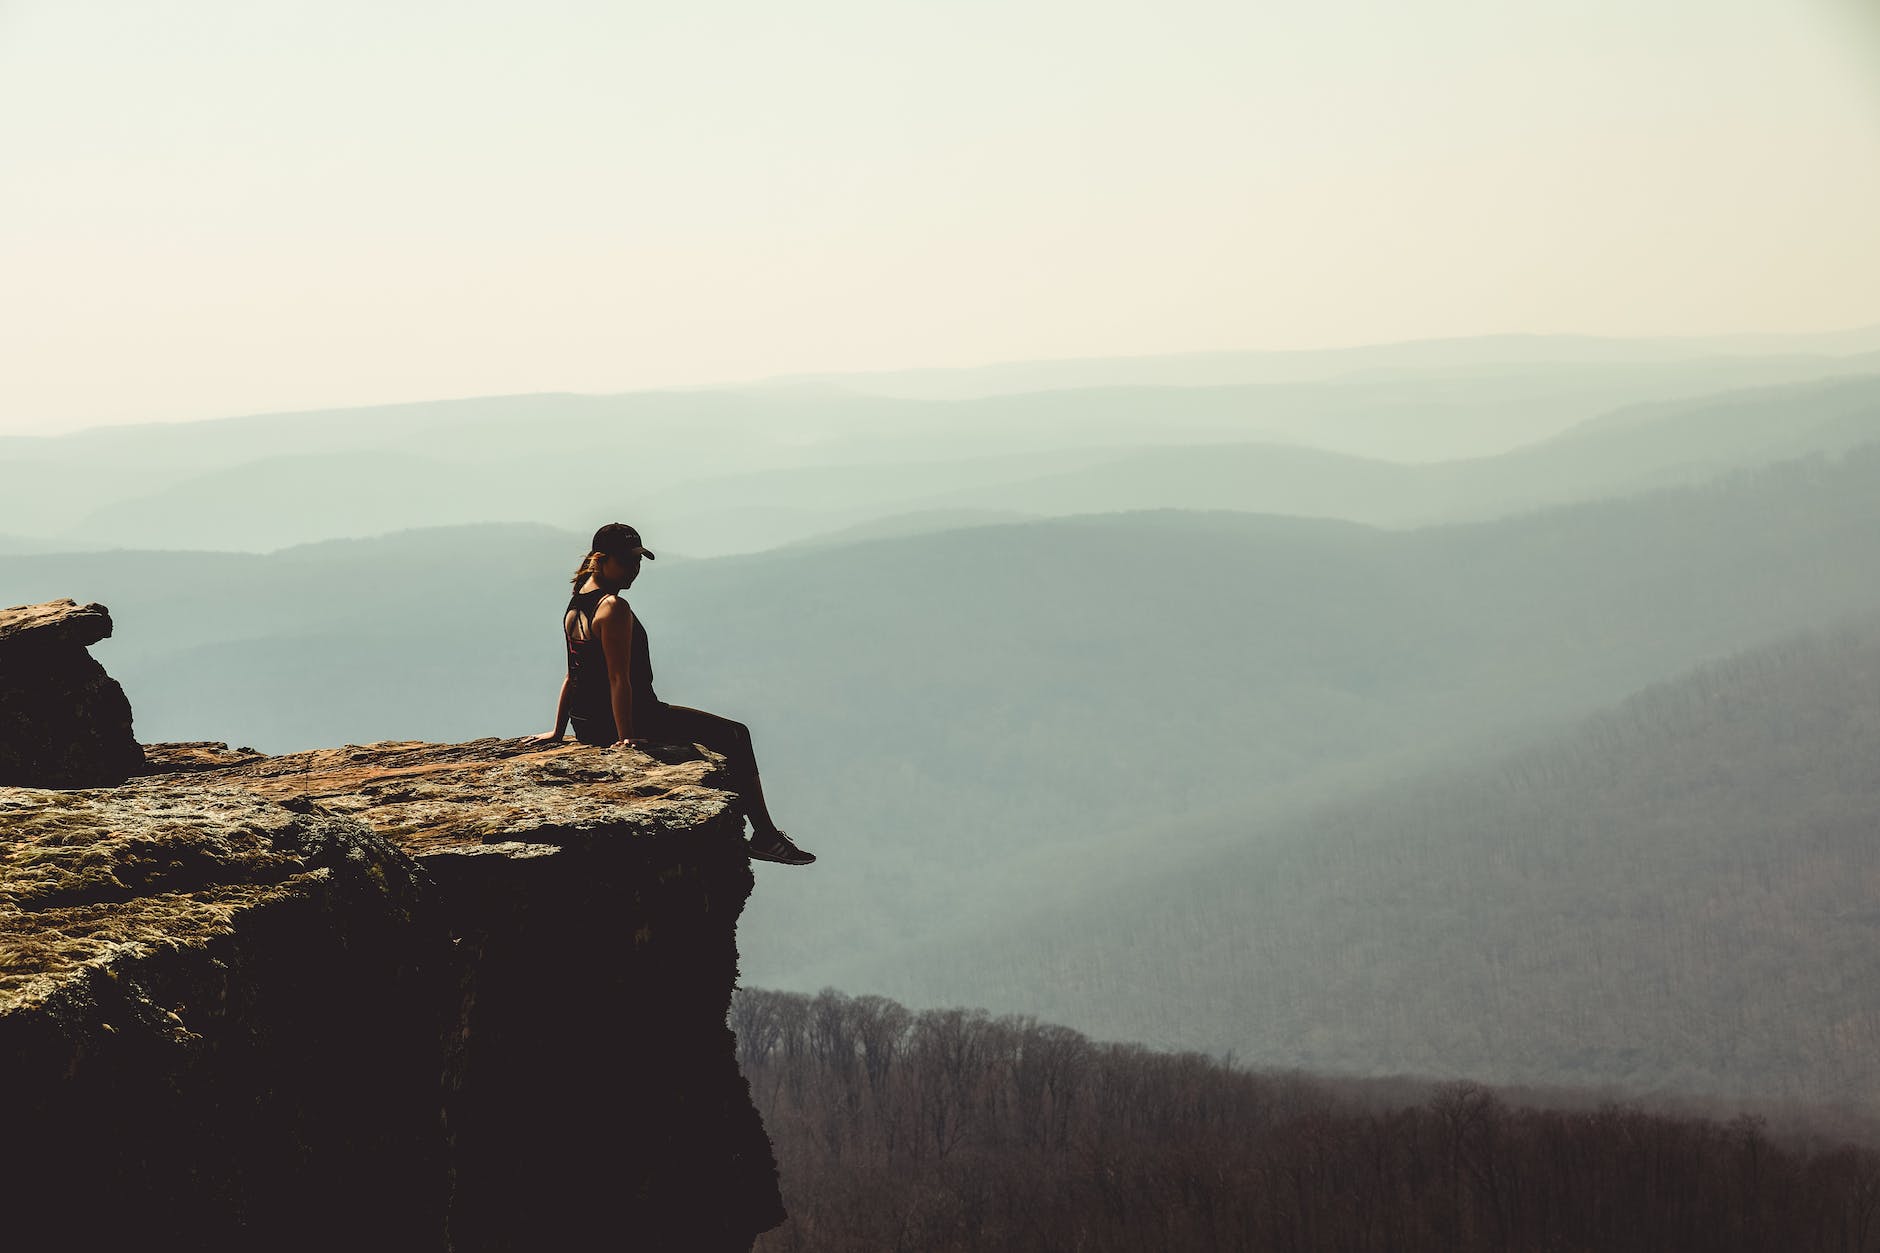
pixel 404 995
pixel 64 722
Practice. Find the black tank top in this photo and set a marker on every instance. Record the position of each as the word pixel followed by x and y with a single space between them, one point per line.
pixel 590 703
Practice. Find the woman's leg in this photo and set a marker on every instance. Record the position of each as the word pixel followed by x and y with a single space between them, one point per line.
pixel 684 724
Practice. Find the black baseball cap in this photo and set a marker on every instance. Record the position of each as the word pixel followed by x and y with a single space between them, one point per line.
pixel 619 541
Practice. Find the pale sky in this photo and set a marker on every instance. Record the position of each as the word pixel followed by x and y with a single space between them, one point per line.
pixel 216 207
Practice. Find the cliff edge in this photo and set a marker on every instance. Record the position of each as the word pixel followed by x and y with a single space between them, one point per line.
pixel 401 995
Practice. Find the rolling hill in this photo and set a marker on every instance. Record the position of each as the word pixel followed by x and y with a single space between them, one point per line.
pixel 1677 895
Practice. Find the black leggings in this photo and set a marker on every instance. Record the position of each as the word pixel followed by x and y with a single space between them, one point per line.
pixel 682 724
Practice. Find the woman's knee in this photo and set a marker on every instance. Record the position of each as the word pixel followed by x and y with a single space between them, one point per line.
pixel 728 730
pixel 735 743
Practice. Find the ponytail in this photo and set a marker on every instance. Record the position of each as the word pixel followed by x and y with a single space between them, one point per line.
pixel 590 564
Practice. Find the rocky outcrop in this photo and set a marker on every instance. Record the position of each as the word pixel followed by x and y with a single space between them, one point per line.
pixel 64 722
pixel 400 995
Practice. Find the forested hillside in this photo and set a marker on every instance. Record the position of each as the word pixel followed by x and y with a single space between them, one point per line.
pixel 949 1130
pixel 1681 894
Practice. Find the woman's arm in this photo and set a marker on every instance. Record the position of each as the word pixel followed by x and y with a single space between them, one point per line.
pixel 614 620
pixel 561 712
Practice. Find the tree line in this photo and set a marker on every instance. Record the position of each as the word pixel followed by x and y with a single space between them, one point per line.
pixel 951 1129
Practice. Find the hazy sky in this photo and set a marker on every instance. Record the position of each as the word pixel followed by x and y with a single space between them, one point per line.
pixel 216 207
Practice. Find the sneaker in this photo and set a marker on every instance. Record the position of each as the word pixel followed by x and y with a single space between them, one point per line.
pixel 779 848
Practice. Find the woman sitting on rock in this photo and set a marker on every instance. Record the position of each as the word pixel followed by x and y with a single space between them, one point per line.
pixel 608 694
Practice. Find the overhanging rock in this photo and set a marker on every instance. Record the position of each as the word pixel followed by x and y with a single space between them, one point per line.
pixel 64 722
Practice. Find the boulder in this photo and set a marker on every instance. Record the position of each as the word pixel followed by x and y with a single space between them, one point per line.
pixel 64 722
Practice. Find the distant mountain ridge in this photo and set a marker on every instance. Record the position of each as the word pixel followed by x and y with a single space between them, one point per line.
pixel 717 483
pixel 1228 366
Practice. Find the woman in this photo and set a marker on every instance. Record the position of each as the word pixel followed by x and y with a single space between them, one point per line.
pixel 608 694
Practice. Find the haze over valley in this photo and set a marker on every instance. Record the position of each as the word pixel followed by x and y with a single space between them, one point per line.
pixel 1173 698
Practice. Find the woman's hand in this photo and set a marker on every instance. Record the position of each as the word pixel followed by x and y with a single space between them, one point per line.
pixel 546 737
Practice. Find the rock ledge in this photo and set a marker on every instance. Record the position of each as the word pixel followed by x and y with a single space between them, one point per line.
pixel 475 991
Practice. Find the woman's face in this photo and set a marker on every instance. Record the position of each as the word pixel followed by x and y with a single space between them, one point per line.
pixel 620 572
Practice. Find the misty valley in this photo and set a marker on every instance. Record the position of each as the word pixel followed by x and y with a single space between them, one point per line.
pixel 1496 712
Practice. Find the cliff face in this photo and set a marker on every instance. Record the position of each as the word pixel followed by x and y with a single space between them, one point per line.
pixel 404 995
